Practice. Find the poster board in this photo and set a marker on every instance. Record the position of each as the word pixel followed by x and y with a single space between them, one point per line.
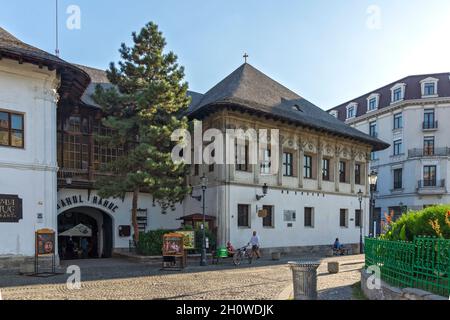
pixel 188 239
pixel 173 245
pixel 45 242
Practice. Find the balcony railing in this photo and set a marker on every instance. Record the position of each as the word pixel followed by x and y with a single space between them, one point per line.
pixel 429 152
pixel 429 125
pixel 432 183
pixel 431 186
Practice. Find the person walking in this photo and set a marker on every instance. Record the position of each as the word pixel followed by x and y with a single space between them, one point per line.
pixel 255 243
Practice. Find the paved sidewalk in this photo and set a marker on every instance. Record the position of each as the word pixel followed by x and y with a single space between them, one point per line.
pixel 120 279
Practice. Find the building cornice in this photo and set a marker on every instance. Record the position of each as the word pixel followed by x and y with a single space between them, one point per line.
pixel 396 106
pixel 29 166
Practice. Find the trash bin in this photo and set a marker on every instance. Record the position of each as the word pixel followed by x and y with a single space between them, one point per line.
pixel 222 252
pixel 304 275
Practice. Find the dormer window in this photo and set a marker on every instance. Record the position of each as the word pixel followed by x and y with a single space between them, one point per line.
pixel 429 87
pixel 334 113
pixel 372 102
pixel 351 110
pixel 398 92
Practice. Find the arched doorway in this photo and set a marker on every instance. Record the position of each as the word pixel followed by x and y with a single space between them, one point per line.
pixel 98 245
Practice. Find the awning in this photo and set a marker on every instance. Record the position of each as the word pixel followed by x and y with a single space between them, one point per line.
pixel 79 231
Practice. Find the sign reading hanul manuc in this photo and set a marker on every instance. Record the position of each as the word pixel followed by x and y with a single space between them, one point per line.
pixel 10 208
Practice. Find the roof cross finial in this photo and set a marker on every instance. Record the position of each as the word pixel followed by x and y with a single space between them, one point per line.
pixel 245 57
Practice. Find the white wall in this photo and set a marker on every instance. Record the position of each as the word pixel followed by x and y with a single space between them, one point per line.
pixel 29 173
pixel 326 211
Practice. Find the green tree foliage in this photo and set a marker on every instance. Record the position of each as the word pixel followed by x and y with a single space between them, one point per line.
pixel 417 223
pixel 142 108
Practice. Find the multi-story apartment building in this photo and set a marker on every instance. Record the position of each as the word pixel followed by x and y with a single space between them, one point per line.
pixel 410 114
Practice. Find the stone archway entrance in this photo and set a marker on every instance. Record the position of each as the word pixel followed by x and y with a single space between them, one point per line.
pixel 99 245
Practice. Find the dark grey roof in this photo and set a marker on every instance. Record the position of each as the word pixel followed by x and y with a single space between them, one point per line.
pixel 10 43
pixel 413 91
pixel 74 80
pixel 250 89
pixel 98 77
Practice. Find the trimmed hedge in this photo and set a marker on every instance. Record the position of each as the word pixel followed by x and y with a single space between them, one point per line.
pixel 151 242
pixel 417 223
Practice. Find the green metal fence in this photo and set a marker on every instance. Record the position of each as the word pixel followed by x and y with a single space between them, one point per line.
pixel 423 263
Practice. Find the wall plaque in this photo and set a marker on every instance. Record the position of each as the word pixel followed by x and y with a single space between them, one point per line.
pixel 10 208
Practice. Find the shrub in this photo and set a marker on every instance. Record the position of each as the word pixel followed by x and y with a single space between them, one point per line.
pixel 431 222
pixel 151 242
pixel 199 239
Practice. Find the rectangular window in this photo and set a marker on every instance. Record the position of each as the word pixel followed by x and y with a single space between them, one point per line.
pixel 398 121
pixel 342 171
pixel 429 119
pixel 243 216
pixel 358 217
pixel 429 89
pixel 11 129
pixel 397 95
pixel 397 211
pixel 372 104
pixel 241 157
pixel 288 164
pixel 308 167
pixel 429 176
pixel 343 218
pixel 103 154
pixel 373 156
pixel 196 169
pixel 266 163
pixel 211 166
pixel 268 220
pixel 398 147
pixel 309 217
pixel 398 179
pixel 326 169
pixel 289 215
pixel 357 173
pixel 373 129
pixel 428 146
pixel 351 112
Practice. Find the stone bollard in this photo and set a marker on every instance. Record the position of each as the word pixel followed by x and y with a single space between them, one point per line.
pixel 333 267
pixel 304 276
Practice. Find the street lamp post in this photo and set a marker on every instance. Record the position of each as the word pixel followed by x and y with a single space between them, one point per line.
pixel 373 177
pixel 203 261
pixel 360 199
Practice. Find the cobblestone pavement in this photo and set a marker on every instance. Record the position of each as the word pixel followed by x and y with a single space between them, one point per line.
pixel 119 279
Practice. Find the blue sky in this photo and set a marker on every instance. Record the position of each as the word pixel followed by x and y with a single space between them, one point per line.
pixel 324 50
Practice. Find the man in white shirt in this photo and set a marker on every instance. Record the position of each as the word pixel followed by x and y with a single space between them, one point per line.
pixel 254 242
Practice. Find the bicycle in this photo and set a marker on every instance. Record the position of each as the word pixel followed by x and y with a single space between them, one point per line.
pixel 243 253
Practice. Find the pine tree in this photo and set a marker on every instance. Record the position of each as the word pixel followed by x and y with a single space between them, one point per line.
pixel 143 108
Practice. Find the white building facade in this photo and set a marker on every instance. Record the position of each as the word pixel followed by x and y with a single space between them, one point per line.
pixel 410 115
pixel 312 195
